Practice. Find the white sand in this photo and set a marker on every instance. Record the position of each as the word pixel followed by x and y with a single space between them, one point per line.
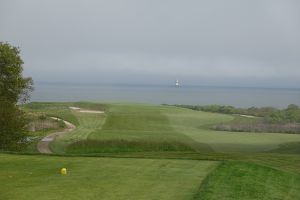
pixel 249 116
pixel 86 111
pixel 74 108
pixel 91 111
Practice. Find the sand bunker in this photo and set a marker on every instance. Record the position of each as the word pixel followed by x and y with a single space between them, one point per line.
pixel 90 111
pixel 86 111
pixel 249 116
pixel 74 108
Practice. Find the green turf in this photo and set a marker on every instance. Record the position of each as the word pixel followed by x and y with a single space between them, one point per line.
pixel 133 123
pixel 176 141
pixel 32 177
pixel 37 177
pixel 284 162
pixel 288 148
pixel 197 125
pixel 132 128
pixel 237 142
pixel 115 146
pixel 235 181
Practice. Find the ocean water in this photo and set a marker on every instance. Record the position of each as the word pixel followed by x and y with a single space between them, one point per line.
pixel 194 95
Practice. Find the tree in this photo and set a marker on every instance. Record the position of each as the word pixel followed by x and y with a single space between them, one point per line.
pixel 293 113
pixel 14 89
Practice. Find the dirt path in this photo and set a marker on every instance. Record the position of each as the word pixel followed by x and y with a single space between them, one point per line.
pixel 43 145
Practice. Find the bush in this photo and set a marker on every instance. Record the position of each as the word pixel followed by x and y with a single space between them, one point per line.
pixel 272 115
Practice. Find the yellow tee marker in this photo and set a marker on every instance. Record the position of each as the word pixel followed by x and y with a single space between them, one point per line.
pixel 63 171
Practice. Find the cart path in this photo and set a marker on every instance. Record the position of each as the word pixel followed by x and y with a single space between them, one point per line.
pixel 43 145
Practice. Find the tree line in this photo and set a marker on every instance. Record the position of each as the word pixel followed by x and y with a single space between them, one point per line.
pixel 267 119
pixel 291 114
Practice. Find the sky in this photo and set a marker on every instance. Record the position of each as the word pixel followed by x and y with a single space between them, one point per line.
pixel 213 42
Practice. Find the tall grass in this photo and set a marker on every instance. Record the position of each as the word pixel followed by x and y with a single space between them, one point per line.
pixel 110 146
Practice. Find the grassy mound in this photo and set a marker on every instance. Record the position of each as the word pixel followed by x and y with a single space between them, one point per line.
pixel 236 180
pixel 288 148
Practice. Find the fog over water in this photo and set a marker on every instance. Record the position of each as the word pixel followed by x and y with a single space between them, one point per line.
pixel 169 94
pixel 217 43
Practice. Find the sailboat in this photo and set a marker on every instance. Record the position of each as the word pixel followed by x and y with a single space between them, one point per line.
pixel 177 83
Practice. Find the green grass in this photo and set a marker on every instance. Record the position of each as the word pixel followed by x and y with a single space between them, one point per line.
pixel 284 162
pixel 236 180
pixel 32 177
pixel 197 125
pixel 37 177
pixel 241 142
pixel 134 123
pixel 110 146
pixel 186 158
pixel 288 148
pixel 130 128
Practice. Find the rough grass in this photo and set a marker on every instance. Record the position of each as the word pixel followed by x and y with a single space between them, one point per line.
pixel 110 146
pixel 37 177
pixel 236 180
pixel 288 148
pixel 41 123
pixel 60 110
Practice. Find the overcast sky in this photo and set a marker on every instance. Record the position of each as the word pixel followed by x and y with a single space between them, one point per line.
pixel 212 42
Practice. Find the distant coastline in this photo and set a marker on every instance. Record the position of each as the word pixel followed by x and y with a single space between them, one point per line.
pixel 168 94
pixel 43 83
